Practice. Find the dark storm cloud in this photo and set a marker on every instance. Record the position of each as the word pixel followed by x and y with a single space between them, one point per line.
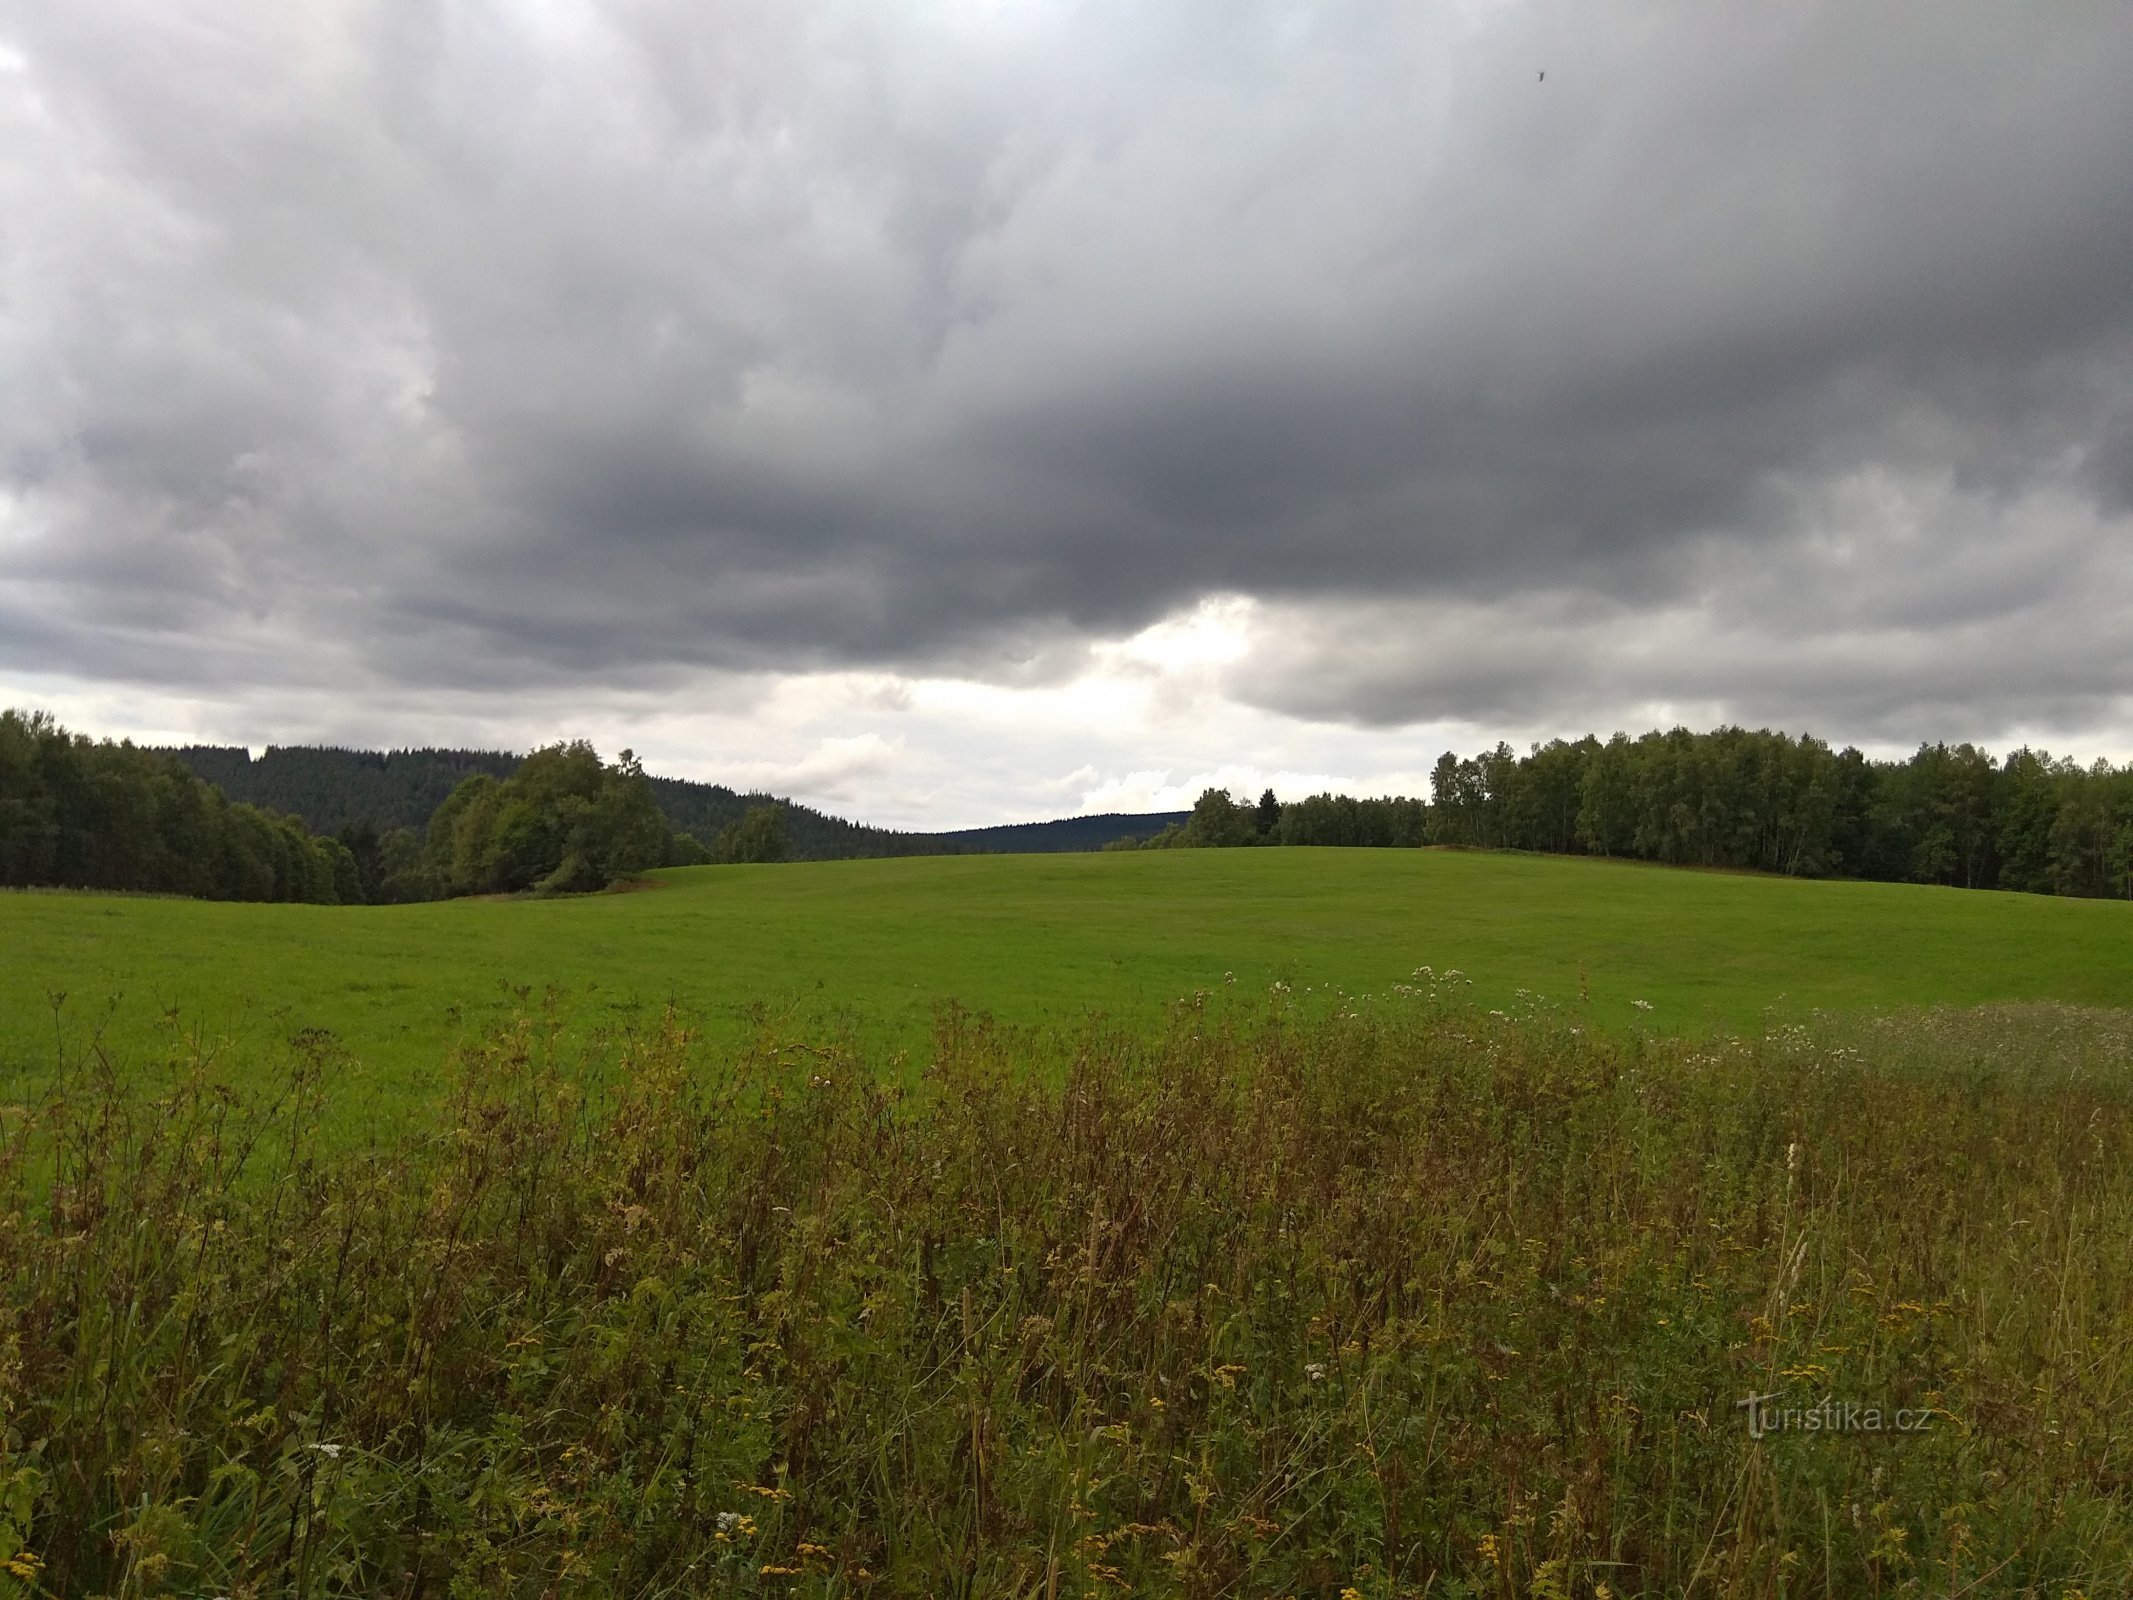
pixel 1765 360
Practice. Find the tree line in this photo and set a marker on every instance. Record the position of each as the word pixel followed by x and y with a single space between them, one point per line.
pixel 83 814
pixel 101 815
pixel 1763 801
pixel 94 814
pixel 562 822
pixel 1219 820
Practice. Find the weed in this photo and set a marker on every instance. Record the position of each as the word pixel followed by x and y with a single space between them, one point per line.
pixel 1413 1300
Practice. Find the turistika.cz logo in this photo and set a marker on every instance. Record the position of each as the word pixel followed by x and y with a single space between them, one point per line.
pixel 1768 1414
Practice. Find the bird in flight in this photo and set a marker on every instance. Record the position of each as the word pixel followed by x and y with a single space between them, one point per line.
pixel 1543 78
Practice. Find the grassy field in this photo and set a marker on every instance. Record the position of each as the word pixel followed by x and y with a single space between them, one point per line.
pixel 429 1251
pixel 1415 1305
pixel 870 947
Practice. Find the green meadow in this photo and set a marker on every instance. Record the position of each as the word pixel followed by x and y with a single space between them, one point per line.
pixel 870 949
pixel 688 1241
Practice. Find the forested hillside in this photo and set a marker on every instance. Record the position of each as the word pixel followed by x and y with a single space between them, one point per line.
pixel 382 791
pixel 332 789
pixel 706 809
pixel 1068 833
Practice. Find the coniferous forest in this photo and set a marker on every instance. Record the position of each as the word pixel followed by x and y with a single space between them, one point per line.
pixel 417 825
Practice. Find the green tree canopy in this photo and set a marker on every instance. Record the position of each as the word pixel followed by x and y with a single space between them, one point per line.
pixel 89 814
pixel 563 822
pixel 1267 817
pixel 758 836
pixel 1217 820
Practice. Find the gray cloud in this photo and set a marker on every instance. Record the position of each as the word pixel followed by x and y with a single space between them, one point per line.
pixel 1882 609
pixel 506 346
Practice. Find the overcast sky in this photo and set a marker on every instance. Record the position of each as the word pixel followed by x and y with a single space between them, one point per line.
pixel 962 412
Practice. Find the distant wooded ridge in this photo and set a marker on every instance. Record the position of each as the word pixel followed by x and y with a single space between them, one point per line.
pixel 332 788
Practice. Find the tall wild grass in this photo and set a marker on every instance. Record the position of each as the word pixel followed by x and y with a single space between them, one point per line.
pixel 1407 1301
